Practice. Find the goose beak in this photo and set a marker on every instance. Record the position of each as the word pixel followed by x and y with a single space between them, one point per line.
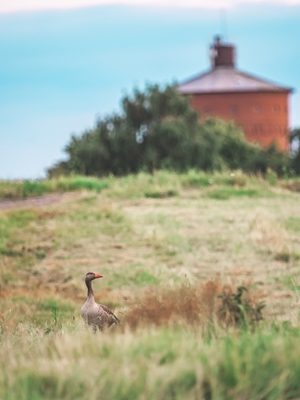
pixel 98 276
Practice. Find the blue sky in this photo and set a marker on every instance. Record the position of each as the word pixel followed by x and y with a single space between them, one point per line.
pixel 61 69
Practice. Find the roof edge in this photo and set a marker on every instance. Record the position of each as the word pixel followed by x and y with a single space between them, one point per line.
pixel 277 87
pixel 237 92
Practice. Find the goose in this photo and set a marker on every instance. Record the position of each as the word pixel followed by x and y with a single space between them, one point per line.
pixel 94 314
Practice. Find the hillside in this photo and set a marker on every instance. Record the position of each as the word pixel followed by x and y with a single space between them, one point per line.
pixel 151 236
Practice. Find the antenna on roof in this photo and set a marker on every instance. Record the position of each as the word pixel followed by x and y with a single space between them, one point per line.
pixel 223 23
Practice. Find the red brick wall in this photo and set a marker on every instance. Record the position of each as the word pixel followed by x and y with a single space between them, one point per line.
pixel 262 115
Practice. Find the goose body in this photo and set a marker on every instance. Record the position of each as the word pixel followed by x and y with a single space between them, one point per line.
pixel 94 314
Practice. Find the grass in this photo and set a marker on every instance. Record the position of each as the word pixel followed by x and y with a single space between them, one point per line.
pixel 173 249
pixel 162 184
pixel 196 306
pixel 226 193
pixel 31 188
pixel 153 364
pixel 161 194
pixel 293 224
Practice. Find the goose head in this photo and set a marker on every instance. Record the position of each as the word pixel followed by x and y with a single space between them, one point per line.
pixel 90 276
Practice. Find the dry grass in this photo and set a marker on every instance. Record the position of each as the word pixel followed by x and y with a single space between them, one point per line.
pixel 292 185
pixel 269 233
pixel 140 243
pixel 202 305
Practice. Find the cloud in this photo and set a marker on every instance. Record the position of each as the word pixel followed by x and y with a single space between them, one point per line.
pixel 31 5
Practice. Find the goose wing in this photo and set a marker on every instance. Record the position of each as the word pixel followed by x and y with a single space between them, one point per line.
pixel 110 314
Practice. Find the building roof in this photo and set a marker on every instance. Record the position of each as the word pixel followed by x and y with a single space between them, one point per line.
pixel 224 79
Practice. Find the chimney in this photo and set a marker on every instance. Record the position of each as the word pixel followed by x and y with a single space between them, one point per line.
pixel 222 55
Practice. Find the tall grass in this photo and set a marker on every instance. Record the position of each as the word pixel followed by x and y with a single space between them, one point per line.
pixel 154 364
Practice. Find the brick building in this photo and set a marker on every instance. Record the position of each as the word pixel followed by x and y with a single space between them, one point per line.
pixel 259 106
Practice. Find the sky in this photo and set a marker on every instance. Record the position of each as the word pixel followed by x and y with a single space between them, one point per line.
pixel 65 63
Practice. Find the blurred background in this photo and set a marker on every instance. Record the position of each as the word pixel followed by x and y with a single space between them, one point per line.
pixel 62 68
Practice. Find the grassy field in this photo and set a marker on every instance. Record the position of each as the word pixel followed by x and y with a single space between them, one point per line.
pixel 173 249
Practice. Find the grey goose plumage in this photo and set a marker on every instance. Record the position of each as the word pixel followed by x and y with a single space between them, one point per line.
pixel 94 314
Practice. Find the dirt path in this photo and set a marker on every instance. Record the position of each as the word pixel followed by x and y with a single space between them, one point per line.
pixel 39 201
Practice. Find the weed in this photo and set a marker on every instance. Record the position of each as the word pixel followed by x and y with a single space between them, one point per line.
pixel 55 325
pixel 238 310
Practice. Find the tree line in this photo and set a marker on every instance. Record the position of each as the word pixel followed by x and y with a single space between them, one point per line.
pixel 158 129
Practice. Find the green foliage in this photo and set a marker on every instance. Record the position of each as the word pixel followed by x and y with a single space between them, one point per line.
pixel 158 129
pixel 32 188
pixel 295 139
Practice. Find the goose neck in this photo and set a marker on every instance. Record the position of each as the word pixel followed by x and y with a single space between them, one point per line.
pixel 90 291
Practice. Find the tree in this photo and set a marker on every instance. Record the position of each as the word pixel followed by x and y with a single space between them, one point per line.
pixel 295 145
pixel 157 129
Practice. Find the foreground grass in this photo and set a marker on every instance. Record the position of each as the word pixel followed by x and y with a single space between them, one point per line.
pixel 158 364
